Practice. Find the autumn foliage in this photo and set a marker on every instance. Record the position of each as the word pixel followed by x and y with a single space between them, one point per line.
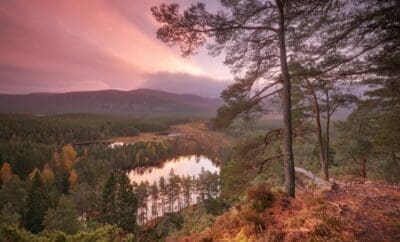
pixel 351 212
pixel 5 173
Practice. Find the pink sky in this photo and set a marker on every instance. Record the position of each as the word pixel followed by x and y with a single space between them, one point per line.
pixel 68 45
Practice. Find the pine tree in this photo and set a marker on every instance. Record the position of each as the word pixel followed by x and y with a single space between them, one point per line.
pixel 187 189
pixel 163 194
pixel 13 195
pixel 126 203
pixel 317 98
pixel 62 180
pixel 108 205
pixel 173 189
pixel 119 203
pixel 142 193
pixel 256 37
pixel 154 194
pixel 178 191
pixel 36 205
pixel 63 218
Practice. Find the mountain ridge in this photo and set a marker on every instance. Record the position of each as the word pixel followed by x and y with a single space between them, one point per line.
pixel 143 101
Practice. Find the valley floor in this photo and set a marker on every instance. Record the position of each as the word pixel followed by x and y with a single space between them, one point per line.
pixel 196 131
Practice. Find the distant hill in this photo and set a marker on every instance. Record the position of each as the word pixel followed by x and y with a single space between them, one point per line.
pixel 146 102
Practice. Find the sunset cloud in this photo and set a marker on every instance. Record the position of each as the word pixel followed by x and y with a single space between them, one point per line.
pixel 64 45
pixel 185 83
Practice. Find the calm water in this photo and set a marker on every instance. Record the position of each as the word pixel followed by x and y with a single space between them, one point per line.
pixel 184 165
pixel 116 144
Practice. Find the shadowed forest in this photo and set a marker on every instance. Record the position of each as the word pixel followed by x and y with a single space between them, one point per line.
pixel 303 144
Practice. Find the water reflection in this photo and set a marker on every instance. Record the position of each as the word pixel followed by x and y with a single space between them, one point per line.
pixel 184 165
pixel 176 184
pixel 116 144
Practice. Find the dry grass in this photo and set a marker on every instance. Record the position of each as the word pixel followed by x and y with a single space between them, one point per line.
pixel 353 212
pixel 145 137
pixel 196 132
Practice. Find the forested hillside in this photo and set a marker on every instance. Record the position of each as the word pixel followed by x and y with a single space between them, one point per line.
pixel 135 102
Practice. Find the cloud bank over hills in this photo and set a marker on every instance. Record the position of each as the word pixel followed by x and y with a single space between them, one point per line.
pixel 185 83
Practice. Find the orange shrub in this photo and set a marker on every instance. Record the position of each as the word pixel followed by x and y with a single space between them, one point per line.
pixel 260 197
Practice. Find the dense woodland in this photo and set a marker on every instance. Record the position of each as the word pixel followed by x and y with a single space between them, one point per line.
pixel 74 128
pixel 29 137
pixel 59 186
pixel 313 57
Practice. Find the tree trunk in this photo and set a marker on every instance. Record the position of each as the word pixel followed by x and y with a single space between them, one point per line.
pixel 322 155
pixel 288 160
pixel 328 122
pixel 363 161
pixel 364 168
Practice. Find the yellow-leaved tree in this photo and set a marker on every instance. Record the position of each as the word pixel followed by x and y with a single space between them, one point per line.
pixel 5 173
pixel 73 180
pixel 69 157
pixel 65 161
pixel 48 174
pixel 33 173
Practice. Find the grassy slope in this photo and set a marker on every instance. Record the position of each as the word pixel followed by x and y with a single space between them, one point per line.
pixel 349 212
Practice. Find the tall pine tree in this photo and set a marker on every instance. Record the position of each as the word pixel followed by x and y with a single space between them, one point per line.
pixel 259 39
pixel 126 204
pixel 108 206
pixel 36 204
pixel 119 203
